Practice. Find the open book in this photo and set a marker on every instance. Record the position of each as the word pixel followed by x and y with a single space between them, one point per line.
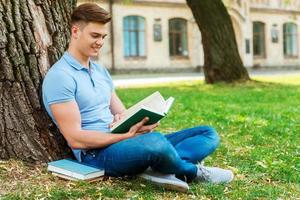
pixel 154 106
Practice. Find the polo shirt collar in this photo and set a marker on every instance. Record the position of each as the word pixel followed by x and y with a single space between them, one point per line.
pixel 73 62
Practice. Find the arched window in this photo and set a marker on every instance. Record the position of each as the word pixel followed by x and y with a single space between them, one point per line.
pixel 134 36
pixel 290 43
pixel 178 37
pixel 259 39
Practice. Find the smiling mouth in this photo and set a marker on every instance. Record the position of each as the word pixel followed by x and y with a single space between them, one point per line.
pixel 96 48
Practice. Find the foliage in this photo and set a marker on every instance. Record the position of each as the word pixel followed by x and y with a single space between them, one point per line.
pixel 257 121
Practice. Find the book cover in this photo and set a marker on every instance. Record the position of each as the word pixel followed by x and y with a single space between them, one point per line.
pixel 74 169
pixel 66 177
pixel 137 117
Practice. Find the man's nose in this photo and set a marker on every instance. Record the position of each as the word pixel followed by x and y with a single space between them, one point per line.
pixel 99 41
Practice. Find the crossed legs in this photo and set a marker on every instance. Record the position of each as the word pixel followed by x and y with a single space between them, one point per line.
pixel 175 153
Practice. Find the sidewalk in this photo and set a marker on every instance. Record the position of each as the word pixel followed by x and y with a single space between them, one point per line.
pixel 127 80
pixel 152 79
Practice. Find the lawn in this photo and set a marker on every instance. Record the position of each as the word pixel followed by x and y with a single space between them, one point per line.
pixel 259 125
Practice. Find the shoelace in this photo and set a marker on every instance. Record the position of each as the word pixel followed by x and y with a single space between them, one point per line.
pixel 205 173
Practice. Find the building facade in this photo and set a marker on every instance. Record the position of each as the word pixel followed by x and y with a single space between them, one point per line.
pixel 163 35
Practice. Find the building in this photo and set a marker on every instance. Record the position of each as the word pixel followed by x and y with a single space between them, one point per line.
pixel 163 35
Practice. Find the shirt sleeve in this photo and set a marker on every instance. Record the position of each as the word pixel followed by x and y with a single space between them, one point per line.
pixel 59 87
pixel 110 81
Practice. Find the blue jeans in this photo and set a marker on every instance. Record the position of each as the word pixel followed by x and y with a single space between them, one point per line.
pixel 175 153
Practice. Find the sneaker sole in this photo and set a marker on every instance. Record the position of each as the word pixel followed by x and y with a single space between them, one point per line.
pixel 166 185
pixel 172 187
pixel 232 177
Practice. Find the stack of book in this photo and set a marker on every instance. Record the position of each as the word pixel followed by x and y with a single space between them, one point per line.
pixel 73 170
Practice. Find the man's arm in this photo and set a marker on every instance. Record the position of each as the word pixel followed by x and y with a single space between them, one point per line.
pixel 68 119
pixel 116 105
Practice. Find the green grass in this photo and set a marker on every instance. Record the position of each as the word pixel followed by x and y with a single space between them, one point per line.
pixel 259 125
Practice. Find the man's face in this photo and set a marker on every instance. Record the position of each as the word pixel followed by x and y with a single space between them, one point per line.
pixel 89 38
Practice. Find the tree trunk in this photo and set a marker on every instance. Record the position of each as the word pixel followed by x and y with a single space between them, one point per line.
pixel 33 35
pixel 222 62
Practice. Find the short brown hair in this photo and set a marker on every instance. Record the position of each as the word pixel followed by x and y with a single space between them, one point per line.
pixel 90 12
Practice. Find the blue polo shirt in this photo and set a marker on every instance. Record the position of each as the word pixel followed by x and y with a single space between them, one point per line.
pixel 67 80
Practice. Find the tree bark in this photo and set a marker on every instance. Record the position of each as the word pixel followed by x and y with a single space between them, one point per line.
pixel 222 62
pixel 33 35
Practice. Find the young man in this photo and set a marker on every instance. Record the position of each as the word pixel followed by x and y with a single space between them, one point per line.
pixel 80 98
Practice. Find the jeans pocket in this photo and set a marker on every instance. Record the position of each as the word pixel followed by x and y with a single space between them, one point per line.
pixel 93 157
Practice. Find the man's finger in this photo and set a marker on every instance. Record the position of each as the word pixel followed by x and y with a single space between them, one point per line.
pixel 149 127
pixel 154 125
pixel 112 124
pixel 117 117
pixel 139 125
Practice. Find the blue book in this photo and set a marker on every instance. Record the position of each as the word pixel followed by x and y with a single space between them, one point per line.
pixel 74 170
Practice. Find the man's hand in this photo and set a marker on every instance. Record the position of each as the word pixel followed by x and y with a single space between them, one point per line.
pixel 140 128
pixel 148 128
pixel 117 117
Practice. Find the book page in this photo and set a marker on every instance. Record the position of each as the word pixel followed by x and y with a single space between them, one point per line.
pixel 156 103
pixel 169 103
pixel 145 101
pixel 133 109
pixel 152 110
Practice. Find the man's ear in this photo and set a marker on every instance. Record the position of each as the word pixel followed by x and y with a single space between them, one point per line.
pixel 75 31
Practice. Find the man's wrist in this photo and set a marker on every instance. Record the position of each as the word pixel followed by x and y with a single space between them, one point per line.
pixel 124 136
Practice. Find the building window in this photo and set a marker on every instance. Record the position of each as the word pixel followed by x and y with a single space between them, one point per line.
pixel 259 39
pixel 290 43
pixel 134 36
pixel 178 37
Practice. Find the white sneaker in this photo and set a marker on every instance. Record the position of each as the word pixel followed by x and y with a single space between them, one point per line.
pixel 168 181
pixel 213 175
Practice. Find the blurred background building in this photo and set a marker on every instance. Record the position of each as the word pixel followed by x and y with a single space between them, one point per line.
pixel 163 35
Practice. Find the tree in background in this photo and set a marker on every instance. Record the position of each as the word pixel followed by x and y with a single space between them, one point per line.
pixel 222 62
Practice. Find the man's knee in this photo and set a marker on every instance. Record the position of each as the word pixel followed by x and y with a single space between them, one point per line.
pixel 157 144
pixel 214 137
